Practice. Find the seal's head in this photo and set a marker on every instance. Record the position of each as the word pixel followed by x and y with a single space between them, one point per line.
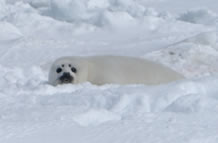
pixel 66 73
pixel 68 70
pixel 62 72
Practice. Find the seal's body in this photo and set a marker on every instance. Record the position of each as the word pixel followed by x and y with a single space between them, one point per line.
pixel 110 70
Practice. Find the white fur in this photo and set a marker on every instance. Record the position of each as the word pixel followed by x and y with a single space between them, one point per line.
pixel 114 69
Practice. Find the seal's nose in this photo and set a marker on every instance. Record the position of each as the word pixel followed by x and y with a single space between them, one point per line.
pixel 66 74
pixel 66 78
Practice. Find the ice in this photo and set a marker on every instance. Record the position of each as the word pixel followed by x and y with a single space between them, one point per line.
pixel 179 34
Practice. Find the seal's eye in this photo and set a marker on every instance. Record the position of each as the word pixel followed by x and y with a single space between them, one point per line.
pixel 73 69
pixel 58 70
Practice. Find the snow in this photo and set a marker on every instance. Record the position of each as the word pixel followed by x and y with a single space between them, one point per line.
pixel 179 34
pixel 9 32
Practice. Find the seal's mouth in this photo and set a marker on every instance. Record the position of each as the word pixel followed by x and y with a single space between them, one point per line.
pixel 66 78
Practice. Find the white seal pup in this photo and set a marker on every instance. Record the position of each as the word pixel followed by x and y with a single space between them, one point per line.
pixel 110 70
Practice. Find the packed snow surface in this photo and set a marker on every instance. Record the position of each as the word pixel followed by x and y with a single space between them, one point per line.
pixel 179 34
